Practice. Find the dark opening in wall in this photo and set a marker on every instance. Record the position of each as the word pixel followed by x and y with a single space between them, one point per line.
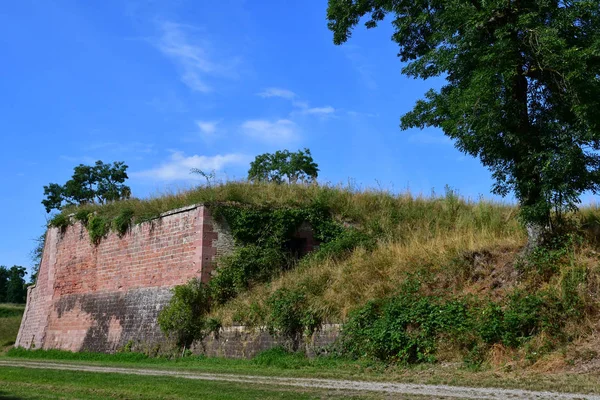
pixel 297 247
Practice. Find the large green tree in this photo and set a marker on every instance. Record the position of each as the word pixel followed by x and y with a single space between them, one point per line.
pixel 98 183
pixel 13 288
pixel 522 88
pixel 284 166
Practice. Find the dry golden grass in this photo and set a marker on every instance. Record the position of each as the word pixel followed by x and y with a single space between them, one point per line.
pixel 337 287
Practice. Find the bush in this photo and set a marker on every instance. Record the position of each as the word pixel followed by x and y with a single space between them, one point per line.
pixel 122 222
pixel 60 221
pixel 290 315
pixel 98 227
pixel 407 327
pixel 404 328
pixel 246 265
pixel 184 318
pixel 344 243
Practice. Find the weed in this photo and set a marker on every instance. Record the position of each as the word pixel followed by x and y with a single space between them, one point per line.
pixel 98 227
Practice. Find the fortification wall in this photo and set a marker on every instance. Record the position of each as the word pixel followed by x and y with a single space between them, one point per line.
pixel 99 297
pixel 242 342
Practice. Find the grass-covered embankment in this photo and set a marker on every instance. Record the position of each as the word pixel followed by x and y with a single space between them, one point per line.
pixel 456 261
pixel 10 320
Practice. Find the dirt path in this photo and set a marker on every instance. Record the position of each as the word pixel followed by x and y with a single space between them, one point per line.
pixel 381 387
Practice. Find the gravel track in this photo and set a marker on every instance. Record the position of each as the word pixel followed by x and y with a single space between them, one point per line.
pixel 332 384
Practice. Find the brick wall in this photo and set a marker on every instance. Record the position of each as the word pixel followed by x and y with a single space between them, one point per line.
pixel 100 297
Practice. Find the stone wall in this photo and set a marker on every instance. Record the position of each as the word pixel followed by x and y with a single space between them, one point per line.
pixel 106 296
pixel 241 342
pixel 100 297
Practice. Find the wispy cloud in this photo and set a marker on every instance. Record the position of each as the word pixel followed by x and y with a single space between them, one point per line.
pixel 280 131
pixel 192 56
pixel 178 166
pixel 301 106
pixel 319 110
pixel 207 127
pixel 277 92
pixel 428 138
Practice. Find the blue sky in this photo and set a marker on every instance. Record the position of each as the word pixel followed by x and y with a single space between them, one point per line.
pixel 170 85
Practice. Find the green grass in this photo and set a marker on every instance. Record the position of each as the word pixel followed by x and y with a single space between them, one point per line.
pixel 23 383
pixel 10 320
pixel 274 363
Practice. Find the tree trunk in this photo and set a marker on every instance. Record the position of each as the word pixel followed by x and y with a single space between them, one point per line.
pixel 536 233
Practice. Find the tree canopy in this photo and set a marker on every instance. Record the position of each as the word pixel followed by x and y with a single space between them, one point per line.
pixel 13 288
pixel 283 166
pixel 522 88
pixel 97 183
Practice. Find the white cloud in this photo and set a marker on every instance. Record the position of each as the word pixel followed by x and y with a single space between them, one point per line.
pixel 207 127
pixel 302 107
pixel 277 92
pixel 192 57
pixel 319 110
pixel 428 138
pixel 272 132
pixel 178 166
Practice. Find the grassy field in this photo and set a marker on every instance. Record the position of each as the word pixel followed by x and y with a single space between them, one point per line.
pixel 294 365
pixel 10 319
pixel 23 383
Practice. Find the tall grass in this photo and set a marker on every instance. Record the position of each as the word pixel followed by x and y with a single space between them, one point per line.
pixel 397 216
pixel 10 320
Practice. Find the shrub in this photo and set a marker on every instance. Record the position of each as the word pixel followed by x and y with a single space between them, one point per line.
pixel 405 327
pixel 290 315
pixel 98 227
pixel 60 221
pixel 184 318
pixel 246 265
pixel 122 222
pixel 345 242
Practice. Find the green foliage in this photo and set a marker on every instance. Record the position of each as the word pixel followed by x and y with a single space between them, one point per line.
pixel 522 88
pixel 408 327
pixel 545 261
pixel 123 221
pixel 344 243
pixel 283 165
pixel 262 235
pixel 404 328
pixel 246 265
pixel 36 256
pixel 184 318
pixel 264 226
pixel 98 227
pixel 99 183
pixel 60 221
pixel 290 315
pixel 13 288
pixel 83 215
